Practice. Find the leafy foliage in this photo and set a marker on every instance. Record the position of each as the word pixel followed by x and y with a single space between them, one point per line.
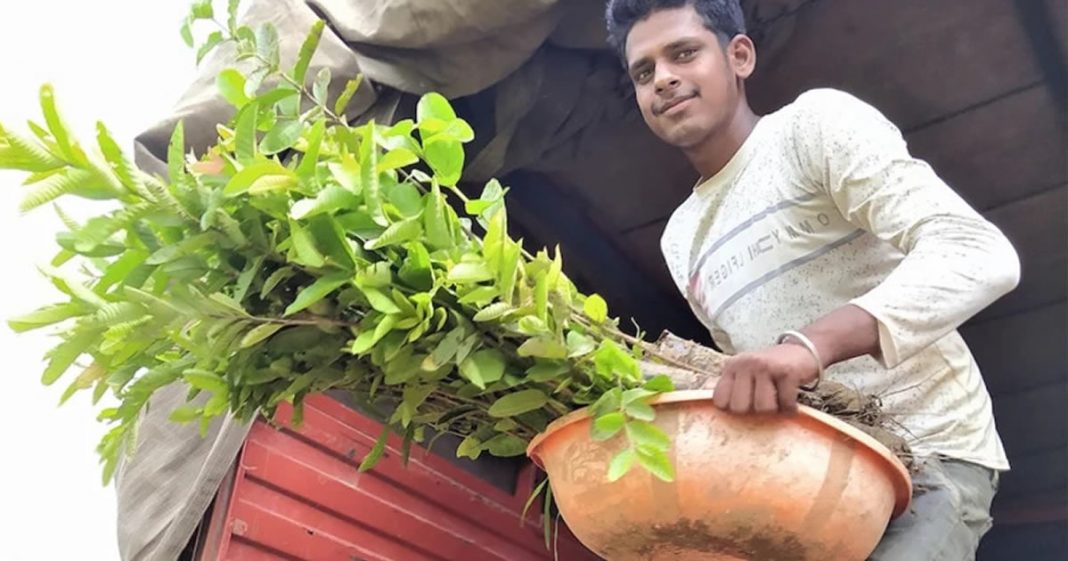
pixel 299 254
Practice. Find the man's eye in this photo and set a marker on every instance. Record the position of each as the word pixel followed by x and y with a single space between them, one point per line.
pixel 686 54
pixel 642 76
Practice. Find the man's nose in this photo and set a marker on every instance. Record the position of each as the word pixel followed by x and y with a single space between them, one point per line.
pixel 666 81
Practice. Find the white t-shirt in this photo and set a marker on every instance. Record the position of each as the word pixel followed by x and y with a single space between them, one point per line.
pixel 823 206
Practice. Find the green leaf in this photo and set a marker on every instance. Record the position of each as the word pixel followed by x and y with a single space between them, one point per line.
pixel 508 269
pixel 595 308
pixel 58 127
pixel 437 226
pixel 372 457
pixel 546 514
pixel 467 273
pixel 245 133
pixel 647 434
pixel 321 86
pixel 396 234
pixel 267 44
pixel 471 447
pixel 608 425
pixel 205 380
pixel 612 361
pixel 369 177
pixel 609 401
pixel 621 464
pixel 660 383
pixel 185 414
pixel 579 344
pixel 446 349
pixel 26 154
pixel 404 368
pixel 69 181
pixel 543 347
pixel 380 301
pixel 641 411
pixel 308 163
pixel 397 158
pixel 505 446
pixel 434 106
pixel 376 275
pixel 213 40
pixel 321 288
pixel 531 325
pixel 331 199
pixel 533 496
pixel 202 9
pixel 493 312
pixel 446 158
pixel 282 137
pixel 176 154
pixel 636 394
pixel 62 356
pixel 307 50
pixel 347 173
pixel 231 14
pixel 71 286
pixel 43 317
pixel 304 246
pixel 260 333
pixel 231 85
pixel 343 100
pixel 187 33
pixel 262 176
pixel 657 463
pixel 277 277
pixel 483 367
pixel 518 403
pixel 543 371
pixel 480 296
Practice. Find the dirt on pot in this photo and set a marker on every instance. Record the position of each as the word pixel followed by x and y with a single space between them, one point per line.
pixel 691 366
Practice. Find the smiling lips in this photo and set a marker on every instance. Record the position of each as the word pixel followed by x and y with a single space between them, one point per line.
pixel 674 102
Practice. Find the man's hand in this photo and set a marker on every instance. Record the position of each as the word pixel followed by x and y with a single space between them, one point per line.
pixel 765 381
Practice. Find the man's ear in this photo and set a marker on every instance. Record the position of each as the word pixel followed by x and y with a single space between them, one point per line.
pixel 741 54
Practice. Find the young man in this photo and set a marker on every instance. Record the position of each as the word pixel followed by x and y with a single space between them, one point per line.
pixel 816 246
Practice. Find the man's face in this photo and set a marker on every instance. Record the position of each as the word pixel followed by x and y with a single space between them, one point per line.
pixel 685 84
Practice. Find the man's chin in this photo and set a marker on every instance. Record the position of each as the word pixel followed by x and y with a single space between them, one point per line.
pixel 684 137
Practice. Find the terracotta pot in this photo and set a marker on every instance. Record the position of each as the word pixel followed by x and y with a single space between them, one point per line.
pixel 752 488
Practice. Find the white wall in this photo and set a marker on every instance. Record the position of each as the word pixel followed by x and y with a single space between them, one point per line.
pixel 122 62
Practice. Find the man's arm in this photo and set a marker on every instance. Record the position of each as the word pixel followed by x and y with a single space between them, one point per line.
pixel 956 263
pixel 767 381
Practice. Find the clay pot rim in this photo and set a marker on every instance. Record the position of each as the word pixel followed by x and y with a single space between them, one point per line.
pixel 893 467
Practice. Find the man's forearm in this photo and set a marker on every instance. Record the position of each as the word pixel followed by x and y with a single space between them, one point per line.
pixel 845 333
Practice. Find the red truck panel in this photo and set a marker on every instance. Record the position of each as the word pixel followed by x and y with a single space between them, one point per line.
pixel 297 495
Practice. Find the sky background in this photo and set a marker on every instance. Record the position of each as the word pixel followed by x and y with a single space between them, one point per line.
pixel 124 63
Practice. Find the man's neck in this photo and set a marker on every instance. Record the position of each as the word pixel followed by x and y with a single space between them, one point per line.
pixel 716 151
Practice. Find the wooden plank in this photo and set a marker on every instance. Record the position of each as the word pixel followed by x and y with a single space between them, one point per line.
pixel 914 59
pixel 1038 228
pixel 1034 474
pixel 644 244
pixel 1005 151
pixel 1022 351
pixel 625 176
pixel 1034 421
pixel 1032 542
pixel 1037 509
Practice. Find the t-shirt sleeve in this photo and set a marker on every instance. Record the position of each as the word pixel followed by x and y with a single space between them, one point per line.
pixel 956 263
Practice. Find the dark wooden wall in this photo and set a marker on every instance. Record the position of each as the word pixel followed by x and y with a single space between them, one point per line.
pixel 979 89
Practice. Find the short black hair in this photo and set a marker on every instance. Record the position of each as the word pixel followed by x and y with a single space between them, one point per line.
pixel 722 17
